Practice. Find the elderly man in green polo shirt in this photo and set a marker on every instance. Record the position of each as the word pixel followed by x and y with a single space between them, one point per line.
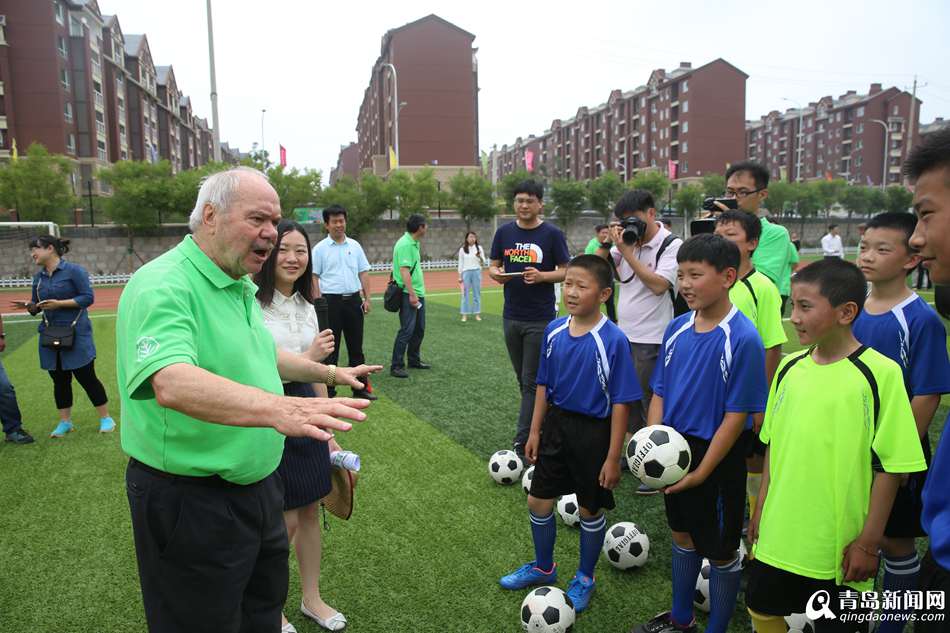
pixel 204 418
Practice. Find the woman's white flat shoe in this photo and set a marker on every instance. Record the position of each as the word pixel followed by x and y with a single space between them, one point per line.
pixel 336 622
pixel 288 628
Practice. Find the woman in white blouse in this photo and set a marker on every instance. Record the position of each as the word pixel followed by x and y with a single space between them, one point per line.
pixel 286 298
pixel 471 260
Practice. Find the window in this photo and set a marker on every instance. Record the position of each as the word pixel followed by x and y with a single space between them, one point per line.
pixel 860 128
pixel 685 146
pixel 68 112
pixel 71 143
pixel 75 27
pixel 685 127
pixel 686 85
pixel 895 110
pixel 686 106
pixel 61 45
pixel 102 151
pixel 643 102
pixel 60 15
pixel 64 78
pixel 860 111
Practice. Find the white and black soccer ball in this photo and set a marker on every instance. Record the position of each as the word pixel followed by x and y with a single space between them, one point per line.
pixel 799 623
pixel 625 546
pixel 701 596
pixel 658 456
pixel 505 467
pixel 526 479
pixel 569 510
pixel 547 610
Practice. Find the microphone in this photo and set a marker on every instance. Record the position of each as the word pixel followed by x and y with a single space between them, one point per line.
pixel 323 313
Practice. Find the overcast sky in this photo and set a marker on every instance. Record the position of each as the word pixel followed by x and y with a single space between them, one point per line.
pixel 308 65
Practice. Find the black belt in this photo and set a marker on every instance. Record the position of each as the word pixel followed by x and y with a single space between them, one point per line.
pixel 215 481
pixel 346 296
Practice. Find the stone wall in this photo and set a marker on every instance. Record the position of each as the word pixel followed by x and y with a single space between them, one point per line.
pixel 105 250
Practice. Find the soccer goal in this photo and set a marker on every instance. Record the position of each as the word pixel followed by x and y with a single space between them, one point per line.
pixel 15 262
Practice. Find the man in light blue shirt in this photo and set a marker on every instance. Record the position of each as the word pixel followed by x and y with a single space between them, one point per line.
pixel 342 277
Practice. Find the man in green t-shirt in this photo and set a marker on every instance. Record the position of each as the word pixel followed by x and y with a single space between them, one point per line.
pixel 840 435
pixel 407 271
pixel 204 418
pixel 748 183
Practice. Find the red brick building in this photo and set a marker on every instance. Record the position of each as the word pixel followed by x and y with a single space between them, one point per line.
pixel 348 163
pixel 437 84
pixel 839 138
pixel 692 117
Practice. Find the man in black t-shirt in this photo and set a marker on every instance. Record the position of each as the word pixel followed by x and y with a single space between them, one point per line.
pixel 528 256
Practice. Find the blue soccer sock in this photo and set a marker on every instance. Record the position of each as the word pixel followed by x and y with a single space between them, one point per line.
pixel 686 564
pixel 723 592
pixel 593 531
pixel 544 532
pixel 901 573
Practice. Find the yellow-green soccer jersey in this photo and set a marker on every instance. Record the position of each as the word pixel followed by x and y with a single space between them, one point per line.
pixel 829 428
pixel 757 297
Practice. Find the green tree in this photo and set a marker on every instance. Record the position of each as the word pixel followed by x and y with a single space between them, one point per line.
pixel 687 200
pixel 780 194
pixel 37 186
pixel 897 198
pixel 346 193
pixel 653 181
pixel 185 189
pixel 855 199
pixel 506 186
pixel 143 193
pixel 471 195
pixel 713 185
pixel 828 193
pixel 400 183
pixel 603 193
pixel 259 159
pixel 378 197
pixel 567 197
pixel 877 201
pixel 294 187
pixel 425 189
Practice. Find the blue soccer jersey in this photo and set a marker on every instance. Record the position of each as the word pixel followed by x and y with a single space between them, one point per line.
pixel 912 335
pixel 703 376
pixel 587 374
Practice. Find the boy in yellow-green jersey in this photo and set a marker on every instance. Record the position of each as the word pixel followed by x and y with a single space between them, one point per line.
pixel 839 433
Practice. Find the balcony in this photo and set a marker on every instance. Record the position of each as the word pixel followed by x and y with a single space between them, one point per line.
pixel 101 128
pixel 1 88
pixel 895 136
pixel 895 153
pixel 674 123
pixel 99 100
pixel 3 122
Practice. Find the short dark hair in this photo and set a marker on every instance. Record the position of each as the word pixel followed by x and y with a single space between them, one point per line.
pixel 897 220
pixel 931 153
pixel 839 281
pixel 832 226
pixel 530 187
pixel 596 266
pixel 332 210
pixel 750 224
pixel 712 249
pixel 758 171
pixel 634 200
pixel 61 246
pixel 415 222
pixel 600 227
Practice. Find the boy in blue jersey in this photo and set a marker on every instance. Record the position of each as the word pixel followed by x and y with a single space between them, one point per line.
pixel 928 168
pixel 711 378
pixel 586 383
pixel 896 322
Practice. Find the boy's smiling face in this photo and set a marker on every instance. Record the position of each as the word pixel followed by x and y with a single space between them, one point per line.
pixel 884 254
pixel 702 285
pixel 813 316
pixel 582 293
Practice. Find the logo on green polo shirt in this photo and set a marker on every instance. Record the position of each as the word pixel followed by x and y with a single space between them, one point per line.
pixel 145 347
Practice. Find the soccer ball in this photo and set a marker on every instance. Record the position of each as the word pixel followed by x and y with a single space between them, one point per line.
pixel 701 596
pixel 568 509
pixel 547 610
pixel 626 546
pixel 798 623
pixel 658 456
pixel 505 467
pixel 526 479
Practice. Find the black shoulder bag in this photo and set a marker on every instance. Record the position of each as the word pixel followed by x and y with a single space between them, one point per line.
pixel 392 298
pixel 57 336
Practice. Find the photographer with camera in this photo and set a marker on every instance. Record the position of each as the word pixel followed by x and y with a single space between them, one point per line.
pixel 644 257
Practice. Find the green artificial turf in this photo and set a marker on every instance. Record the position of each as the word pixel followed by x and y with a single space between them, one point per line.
pixel 430 535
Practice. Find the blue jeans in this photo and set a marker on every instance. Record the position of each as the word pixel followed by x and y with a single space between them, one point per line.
pixel 9 410
pixel 412 327
pixel 472 282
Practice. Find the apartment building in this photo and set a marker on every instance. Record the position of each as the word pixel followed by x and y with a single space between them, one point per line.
pixel 844 137
pixel 688 119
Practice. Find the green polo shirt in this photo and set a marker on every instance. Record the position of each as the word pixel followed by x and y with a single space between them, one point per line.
pixel 592 246
pixel 406 253
pixel 772 256
pixel 182 308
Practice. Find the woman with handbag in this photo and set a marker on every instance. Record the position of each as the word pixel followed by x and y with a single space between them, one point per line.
pixel 286 298
pixel 62 293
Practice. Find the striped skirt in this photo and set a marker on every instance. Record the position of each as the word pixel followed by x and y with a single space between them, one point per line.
pixel 305 466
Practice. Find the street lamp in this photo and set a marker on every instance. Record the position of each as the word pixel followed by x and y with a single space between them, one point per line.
pixel 798 150
pixel 396 109
pixel 263 111
pixel 887 133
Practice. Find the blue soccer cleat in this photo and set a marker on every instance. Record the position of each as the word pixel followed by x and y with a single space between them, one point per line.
pixel 528 575
pixel 62 429
pixel 579 590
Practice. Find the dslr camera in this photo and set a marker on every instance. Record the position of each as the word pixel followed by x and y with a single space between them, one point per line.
pixel 633 229
pixel 729 203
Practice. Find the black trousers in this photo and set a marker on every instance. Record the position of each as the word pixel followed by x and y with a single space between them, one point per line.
pixel 933 578
pixel 346 321
pixel 86 376
pixel 212 555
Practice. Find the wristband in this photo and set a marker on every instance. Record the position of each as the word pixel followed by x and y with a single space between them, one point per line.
pixel 331 376
pixel 866 551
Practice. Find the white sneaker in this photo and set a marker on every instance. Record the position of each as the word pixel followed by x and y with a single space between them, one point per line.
pixel 288 628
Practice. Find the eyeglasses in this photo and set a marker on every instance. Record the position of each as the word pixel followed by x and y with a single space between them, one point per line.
pixel 742 193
